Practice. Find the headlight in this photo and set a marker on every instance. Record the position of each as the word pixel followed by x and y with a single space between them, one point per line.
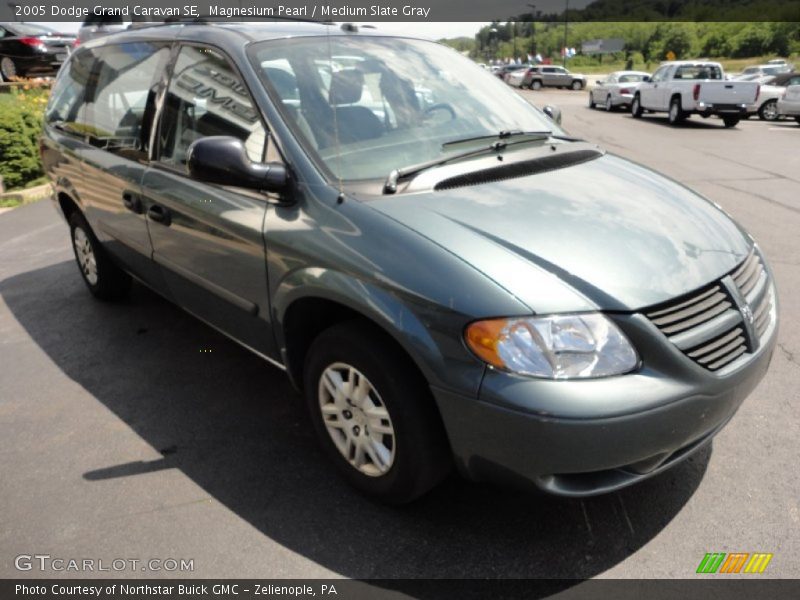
pixel 556 347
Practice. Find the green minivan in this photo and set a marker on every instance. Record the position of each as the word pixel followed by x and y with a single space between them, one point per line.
pixel 448 277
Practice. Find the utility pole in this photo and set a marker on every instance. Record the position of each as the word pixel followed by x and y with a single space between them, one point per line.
pixel 514 37
pixel 533 29
pixel 566 19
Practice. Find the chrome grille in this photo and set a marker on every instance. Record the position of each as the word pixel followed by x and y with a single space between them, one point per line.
pixel 753 283
pixel 712 326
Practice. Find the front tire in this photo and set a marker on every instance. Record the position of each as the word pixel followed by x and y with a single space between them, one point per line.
pixel 636 107
pixel 104 279
pixel 591 100
pixel 536 85
pixel 609 104
pixel 373 413
pixel 730 122
pixel 577 86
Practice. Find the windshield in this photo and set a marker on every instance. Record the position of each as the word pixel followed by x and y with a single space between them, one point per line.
pixel 368 105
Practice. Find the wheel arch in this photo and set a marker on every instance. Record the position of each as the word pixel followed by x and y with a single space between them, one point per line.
pixel 66 196
pixel 303 306
pixel 67 203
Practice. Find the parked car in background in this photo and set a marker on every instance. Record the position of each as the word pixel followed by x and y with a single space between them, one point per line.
pixel 521 77
pixel 28 49
pixel 505 70
pixel 551 76
pixel 684 88
pixel 772 88
pixel 789 104
pixel 458 284
pixel 782 63
pixel 617 89
pixel 763 70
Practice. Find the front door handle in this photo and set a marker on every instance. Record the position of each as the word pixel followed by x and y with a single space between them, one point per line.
pixel 159 214
pixel 132 202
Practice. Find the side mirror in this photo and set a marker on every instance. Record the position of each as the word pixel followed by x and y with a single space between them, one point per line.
pixel 223 160
pixel 646 79
pixel 598 82
pixel 553 112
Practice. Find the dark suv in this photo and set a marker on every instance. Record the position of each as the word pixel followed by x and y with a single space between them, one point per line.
pixel 448 276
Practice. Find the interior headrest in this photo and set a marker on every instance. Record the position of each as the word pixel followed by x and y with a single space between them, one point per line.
pixel 346 87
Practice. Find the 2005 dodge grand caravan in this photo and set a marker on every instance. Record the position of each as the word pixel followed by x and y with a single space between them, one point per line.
pixel 447 276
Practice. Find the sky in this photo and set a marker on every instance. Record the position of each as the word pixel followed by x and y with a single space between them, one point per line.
pixel 429 30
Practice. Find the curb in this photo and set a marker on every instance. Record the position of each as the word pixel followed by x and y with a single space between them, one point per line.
pixel 34 194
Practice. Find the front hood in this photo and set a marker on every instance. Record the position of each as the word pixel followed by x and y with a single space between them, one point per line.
pixel 605 234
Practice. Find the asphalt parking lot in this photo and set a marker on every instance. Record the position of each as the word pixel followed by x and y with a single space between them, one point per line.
pixel 135 431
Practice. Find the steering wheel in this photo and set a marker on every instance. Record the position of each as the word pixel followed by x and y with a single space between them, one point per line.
pixel 440 106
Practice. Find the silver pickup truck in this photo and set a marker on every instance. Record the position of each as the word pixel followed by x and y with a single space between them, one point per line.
pixel 684 88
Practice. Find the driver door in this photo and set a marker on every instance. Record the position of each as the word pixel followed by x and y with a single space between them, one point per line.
pixel 651 92
pixel 209 239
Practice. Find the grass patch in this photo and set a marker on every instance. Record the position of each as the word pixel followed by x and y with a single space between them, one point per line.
pixel 21 115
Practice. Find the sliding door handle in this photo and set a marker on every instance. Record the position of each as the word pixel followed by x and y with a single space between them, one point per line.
pixel 132 202
pixel 159 214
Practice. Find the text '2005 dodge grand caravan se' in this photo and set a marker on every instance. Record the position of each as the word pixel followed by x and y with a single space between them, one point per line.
pixel 447 276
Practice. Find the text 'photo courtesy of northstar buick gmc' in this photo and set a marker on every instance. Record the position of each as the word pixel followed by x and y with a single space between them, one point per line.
pixel 449 279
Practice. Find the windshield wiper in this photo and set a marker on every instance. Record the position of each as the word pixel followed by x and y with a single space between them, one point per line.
pixel 508 133
pixel 500 135
pixel 390 185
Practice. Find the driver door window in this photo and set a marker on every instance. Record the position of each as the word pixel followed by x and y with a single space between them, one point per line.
pixel 206 97
pixel 659 75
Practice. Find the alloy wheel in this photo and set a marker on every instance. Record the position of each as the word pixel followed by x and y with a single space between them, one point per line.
pixel 7 68
pixel 769 112
pixel 356 419
pixel 85 254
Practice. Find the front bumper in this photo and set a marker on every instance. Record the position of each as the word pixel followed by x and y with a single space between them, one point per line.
pixel 582 438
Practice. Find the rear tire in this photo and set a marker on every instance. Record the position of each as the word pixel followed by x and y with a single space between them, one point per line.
pixel 8 69
pixel 636 107
pixel 104 279
pixel 676 114
pixel 357 381
pixel 797 119
pixel 730 121
pixel 769 111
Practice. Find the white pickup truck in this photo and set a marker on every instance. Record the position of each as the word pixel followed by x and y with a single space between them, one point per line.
pixel 687 87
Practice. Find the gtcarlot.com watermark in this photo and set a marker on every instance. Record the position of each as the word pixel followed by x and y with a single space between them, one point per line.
pixel 44 563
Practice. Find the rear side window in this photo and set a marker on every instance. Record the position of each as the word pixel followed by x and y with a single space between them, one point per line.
pixel 207 97
pixel 67 94
pixel 698 72
pixel 107 96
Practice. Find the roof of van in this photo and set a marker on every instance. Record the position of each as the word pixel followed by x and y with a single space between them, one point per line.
pixel 255 31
